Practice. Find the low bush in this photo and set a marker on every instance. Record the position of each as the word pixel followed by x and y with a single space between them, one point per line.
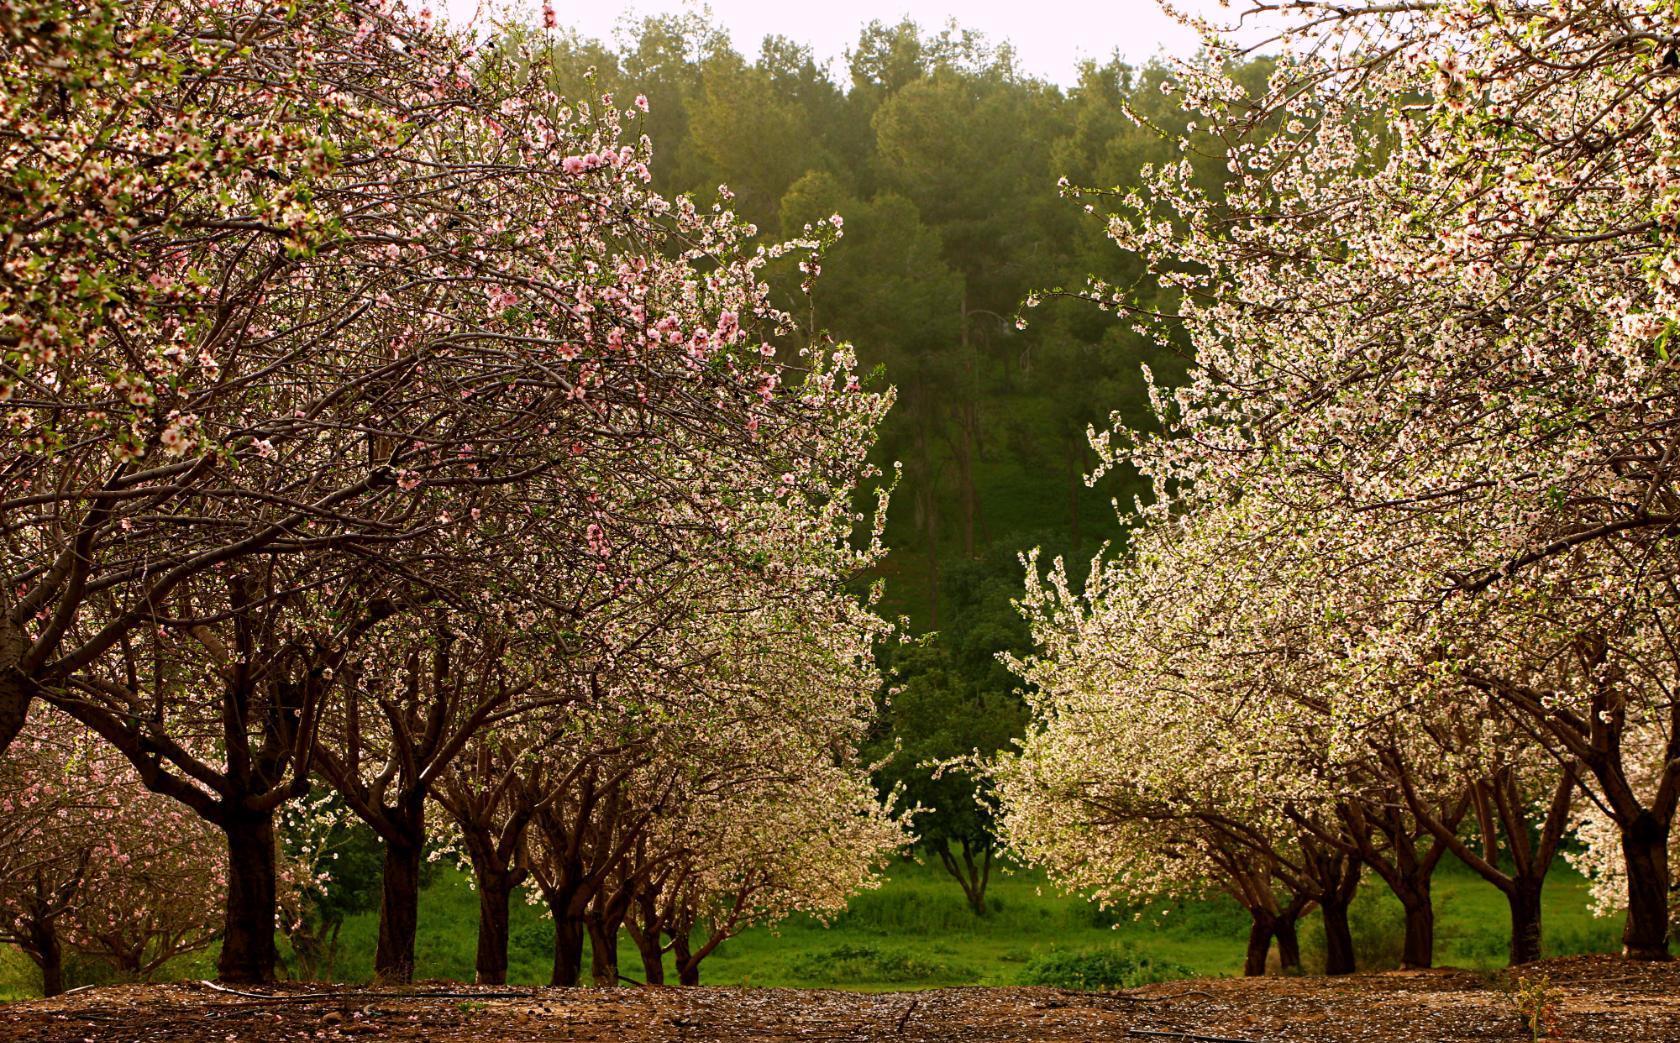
pixel 1114 967
pixel 860 964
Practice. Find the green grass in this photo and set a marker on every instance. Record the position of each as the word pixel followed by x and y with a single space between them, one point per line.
pixel 916 932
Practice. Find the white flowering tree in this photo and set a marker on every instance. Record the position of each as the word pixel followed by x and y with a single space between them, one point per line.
pixel 1430 313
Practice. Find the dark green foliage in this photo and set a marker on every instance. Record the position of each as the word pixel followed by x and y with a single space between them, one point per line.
pixel 1115 967
pixel 857 964
pixel 354 863
pixel 943 158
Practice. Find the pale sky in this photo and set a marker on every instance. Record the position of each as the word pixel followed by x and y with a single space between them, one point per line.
pixel 1050 38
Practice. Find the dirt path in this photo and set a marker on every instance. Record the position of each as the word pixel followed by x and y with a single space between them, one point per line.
pixel 1596 998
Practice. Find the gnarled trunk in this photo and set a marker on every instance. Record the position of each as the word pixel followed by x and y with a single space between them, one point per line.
pixel 248 952
pixel 646 934
pixel 972 873
pixel 495 890
pixel 48 954
pixel 1417 952
pixel 688 968
pixel 1645 849
pixel 1288 944
pixel 603 951
pixel 15 689
pixel 568 950
pixel 1524 899
pixel 1259 943
pixel 399 913
pixel 1338 936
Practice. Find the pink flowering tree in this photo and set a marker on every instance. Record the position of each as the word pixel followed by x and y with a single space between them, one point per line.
pixel 414 306
pixel 91 863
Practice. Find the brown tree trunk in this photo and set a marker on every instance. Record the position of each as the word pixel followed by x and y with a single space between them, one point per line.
pixel 1524 899
pixel 49 956
pixel 399 913
pixel 973 876
pixel 1417 952
pixel 1259 943
pixel 653 957
pixel 1645 848
pixel 1338 936
pixel 15 691
pixel 1288 943
pixel 568 950
pixel 495 890
pixel 248 953
pixel 603 951
pixel 688 968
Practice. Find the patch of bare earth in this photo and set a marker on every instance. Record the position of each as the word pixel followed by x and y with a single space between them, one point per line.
pixel 1592 998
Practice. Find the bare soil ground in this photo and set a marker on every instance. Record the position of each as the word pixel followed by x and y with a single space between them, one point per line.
pixel 1593 998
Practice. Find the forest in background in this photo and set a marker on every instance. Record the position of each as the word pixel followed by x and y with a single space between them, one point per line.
pixel 944 160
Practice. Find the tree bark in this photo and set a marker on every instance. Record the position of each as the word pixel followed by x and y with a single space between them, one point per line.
pixel 652 952
pixel 568 950
pixel 1417 952
pixel 1524 899
pixel 15 689
pixel 653 959
pixel 1645 848
pixel 495 890
pixel 1259 943
pixel 399 913
pixel 248 953
pixel 1338 936
pixel 688 968
pixel 603 952
pixel 49 956
pixel 972 876
pixel 1288 943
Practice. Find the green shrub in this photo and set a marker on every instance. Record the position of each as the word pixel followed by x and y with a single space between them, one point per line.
pixel 533 939
pixel 859 964
pixel 1114 967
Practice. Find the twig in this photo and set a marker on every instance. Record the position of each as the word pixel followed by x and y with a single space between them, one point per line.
pixel 904 1019
pixel 356 994
pixel 281 997
pixel 1195 1036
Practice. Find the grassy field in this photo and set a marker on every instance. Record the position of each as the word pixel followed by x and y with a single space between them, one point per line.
pixel 916 932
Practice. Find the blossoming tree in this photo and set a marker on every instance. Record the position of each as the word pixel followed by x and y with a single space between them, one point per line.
pixel 1430 312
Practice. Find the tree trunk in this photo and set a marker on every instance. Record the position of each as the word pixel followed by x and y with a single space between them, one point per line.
pixel 49 956
pixel 1417 952
pixel 399 913
pixel 653 959
pixel 494 892
pixel 973 877
pixel 1645 848
pixel 248 953
pixel 603 952
pixel 1338 936
pixel 1259 943
pixel 14 690
pixel 688 968
pixel 568 950
pixel 1524 898
pixel 1289 945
